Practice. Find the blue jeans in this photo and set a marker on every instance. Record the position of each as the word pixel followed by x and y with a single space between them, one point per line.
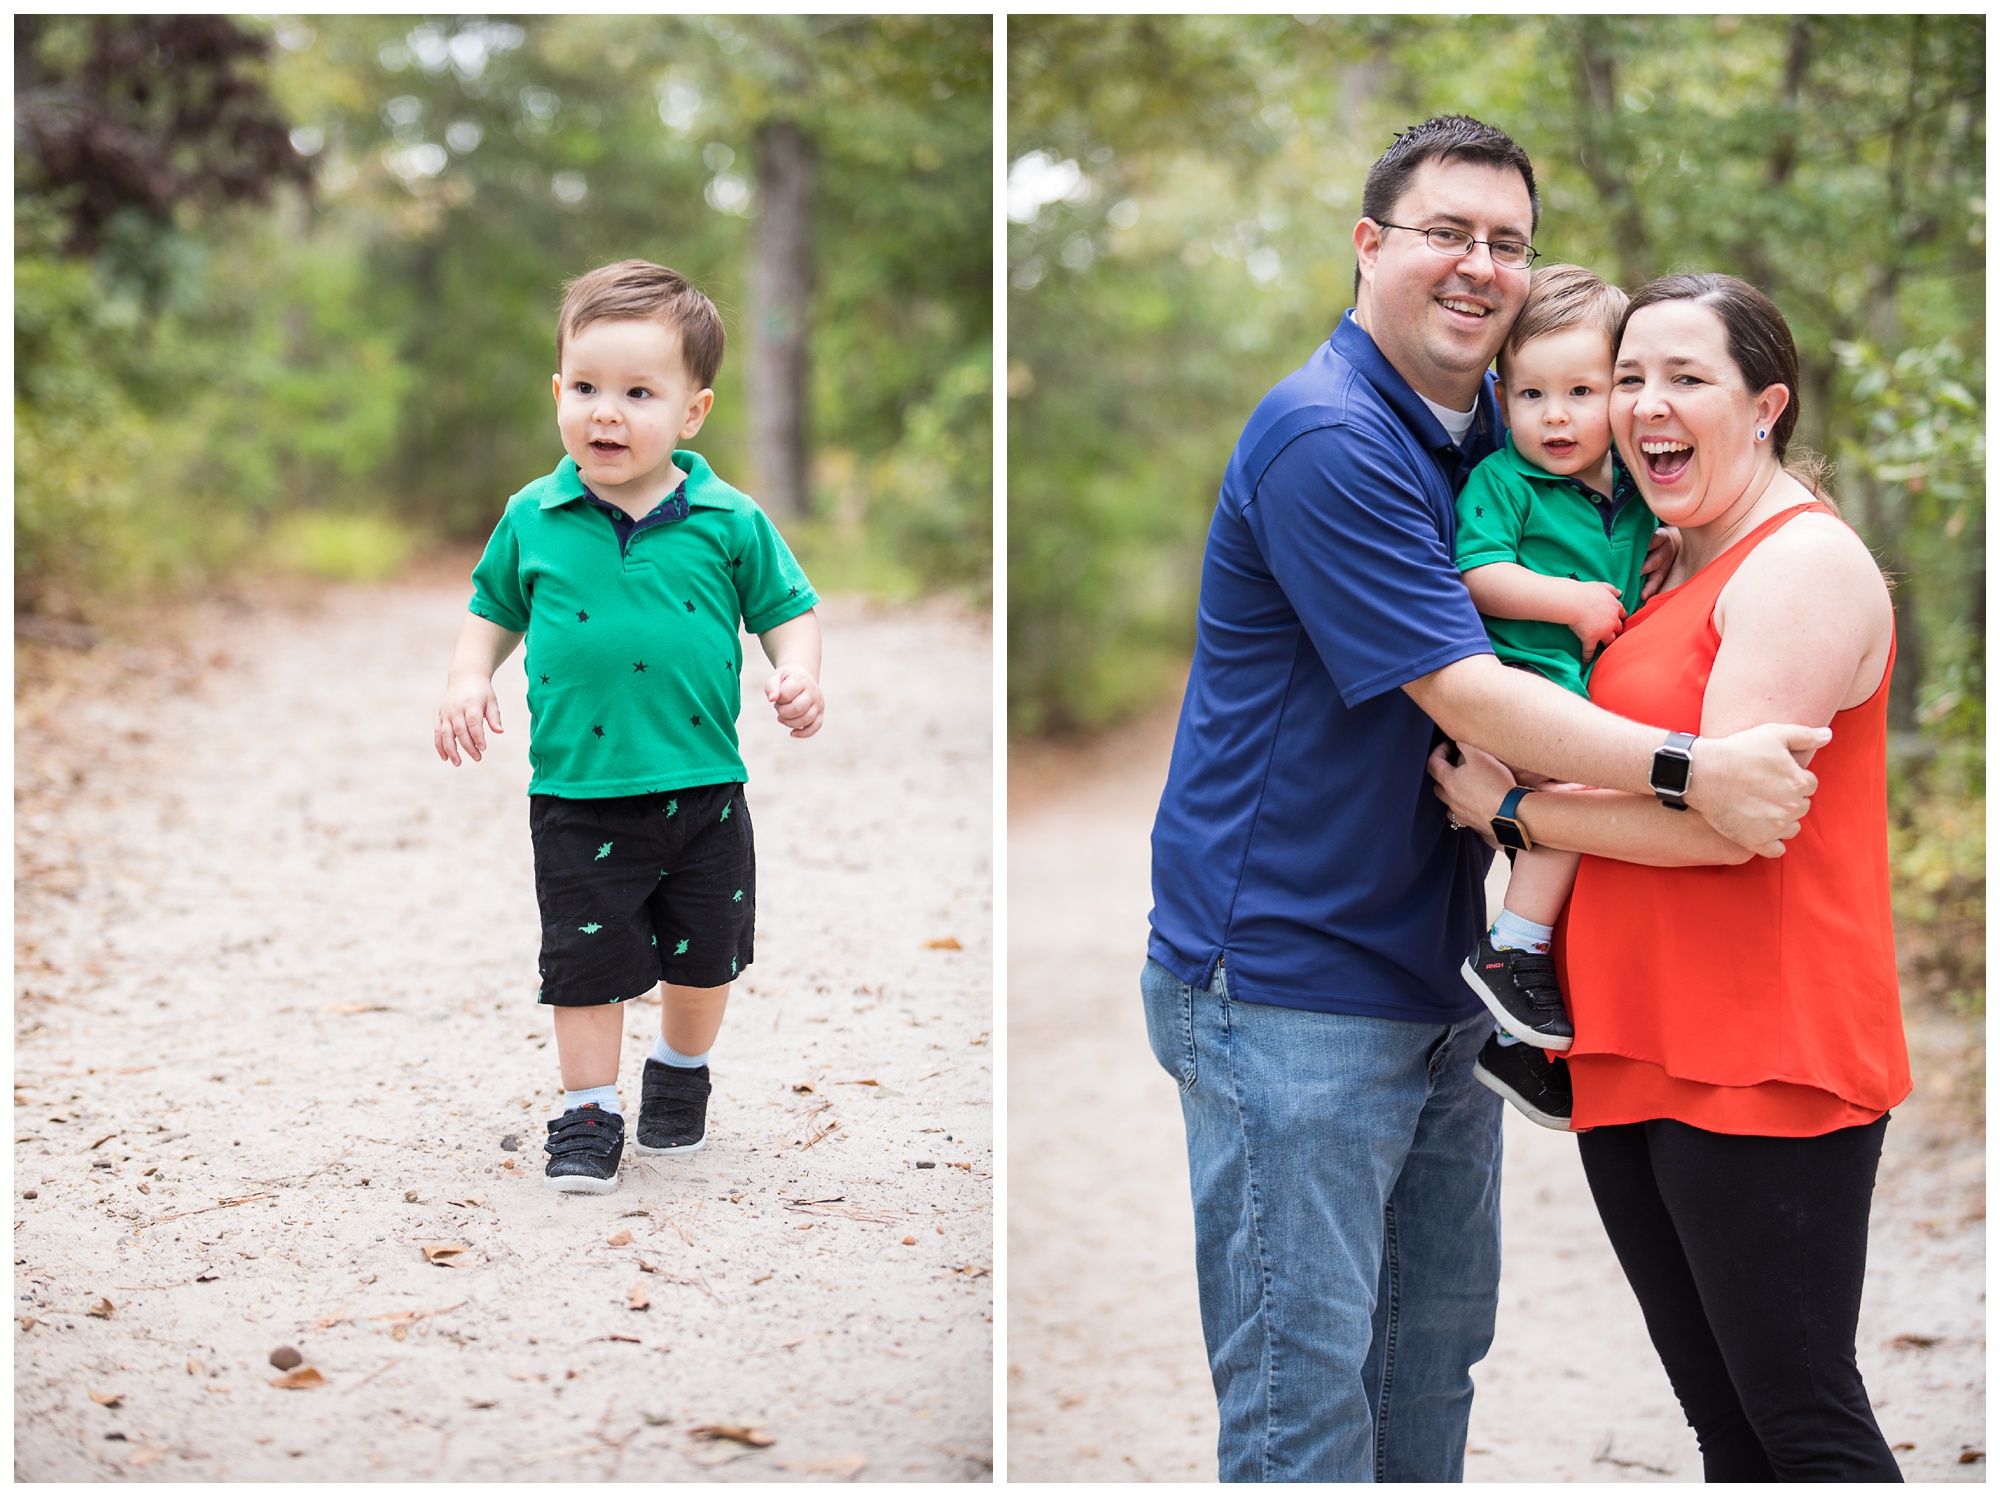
pixel 1346 1178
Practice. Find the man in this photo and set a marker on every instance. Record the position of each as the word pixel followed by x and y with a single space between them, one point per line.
pixel 1311 902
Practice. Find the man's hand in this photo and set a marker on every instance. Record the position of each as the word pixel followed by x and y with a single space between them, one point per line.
pixel 468 710
pixel 1662 551
pixel 796 695
pixel 1753 786
pixel 1596 617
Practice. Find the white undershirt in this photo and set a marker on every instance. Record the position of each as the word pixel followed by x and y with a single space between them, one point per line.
pixel 1455 423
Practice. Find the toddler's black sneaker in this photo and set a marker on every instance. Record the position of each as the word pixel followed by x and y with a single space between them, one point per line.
pixel 673 1109
pixel 1535 1083
pixel 584 1147
pixel 1519 989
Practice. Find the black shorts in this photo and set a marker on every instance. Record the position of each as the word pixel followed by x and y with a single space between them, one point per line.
pixel 639 889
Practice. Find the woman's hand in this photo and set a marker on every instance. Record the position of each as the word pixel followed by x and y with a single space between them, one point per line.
pixel 1473 789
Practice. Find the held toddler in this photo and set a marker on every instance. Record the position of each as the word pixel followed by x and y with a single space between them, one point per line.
pixel 1556 546
pixel 627 571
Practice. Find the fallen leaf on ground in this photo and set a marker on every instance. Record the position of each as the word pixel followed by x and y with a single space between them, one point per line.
pixel 356 1008
pixel 909 1242
pixel 638 1297
pixel 803 1086
pixel 484 1403
pixel 441 1252
pixel 614 1336
pixel 109 1400
pixel 285 1358
pixel 972 1270
pixel 1967 1457
pixel 205 1276
pixel 1904 1445
pixel 28 1322
pixel 760 1278
pixel 1911 1341
pixel 619 1238
pixel 840 1465
pixel 102 1309
pixel 303 1377
pixel 943 943
pixel 104 1140
pixel 195 1369
pixel 742 1434
pixel 871 1081
pixel 470 1200
pixel 333 1318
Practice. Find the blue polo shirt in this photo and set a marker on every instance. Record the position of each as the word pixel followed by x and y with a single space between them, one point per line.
pixel 1298 840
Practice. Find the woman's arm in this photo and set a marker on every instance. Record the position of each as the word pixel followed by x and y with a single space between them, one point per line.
pixel 1805 627
pixel 1576 818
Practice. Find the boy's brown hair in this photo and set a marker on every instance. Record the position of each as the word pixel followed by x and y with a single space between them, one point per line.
pixel 639 290
pixel 1561 297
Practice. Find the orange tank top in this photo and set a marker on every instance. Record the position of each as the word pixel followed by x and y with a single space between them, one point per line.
pixel 1758 998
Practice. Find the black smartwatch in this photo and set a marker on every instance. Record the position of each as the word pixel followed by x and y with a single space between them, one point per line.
pixel 1673 762
pixel 1507 828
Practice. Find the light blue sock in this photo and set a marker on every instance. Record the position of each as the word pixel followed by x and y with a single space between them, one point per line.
pixel 1512 932
pixel 667 1055
pixel 606 1098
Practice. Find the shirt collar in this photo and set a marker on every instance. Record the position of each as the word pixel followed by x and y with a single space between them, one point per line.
pixel 566 486
pixel 1351 341
pixel 1623 489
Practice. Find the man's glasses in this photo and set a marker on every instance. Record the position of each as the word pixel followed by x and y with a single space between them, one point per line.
pixel 1511 254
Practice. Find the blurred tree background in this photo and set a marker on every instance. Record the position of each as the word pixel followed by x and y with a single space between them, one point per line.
pixel 285 288
pixel 1182 193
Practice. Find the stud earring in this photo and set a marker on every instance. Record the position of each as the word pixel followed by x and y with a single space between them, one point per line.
pixel 1761 434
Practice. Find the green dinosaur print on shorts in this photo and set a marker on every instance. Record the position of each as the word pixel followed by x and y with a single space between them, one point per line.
pixel 681 948
pixel 737 897
pixel 591 929
pixel 673 806
pixel 602 853
pixel 725 813
pixel 732 966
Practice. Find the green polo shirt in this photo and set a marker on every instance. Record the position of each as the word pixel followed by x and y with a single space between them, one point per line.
pixel 1510 510
pixel 633 655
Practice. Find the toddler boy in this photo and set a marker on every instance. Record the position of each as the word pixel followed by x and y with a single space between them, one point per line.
pixel 1553 541
pixel 627 570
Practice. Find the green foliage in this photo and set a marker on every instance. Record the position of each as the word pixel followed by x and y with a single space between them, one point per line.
pixel 1186 194
pixel 1937 868
pixel 315 383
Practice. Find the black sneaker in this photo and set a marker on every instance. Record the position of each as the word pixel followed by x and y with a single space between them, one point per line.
pixel 1535 1083
pixel 584 1147
pixel 673 1109
pixel 1519 989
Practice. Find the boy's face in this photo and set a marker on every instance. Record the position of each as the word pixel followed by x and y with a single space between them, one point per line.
pixel 1557 392
pixel 624 397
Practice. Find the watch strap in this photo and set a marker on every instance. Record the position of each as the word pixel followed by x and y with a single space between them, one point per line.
pixel 1507 828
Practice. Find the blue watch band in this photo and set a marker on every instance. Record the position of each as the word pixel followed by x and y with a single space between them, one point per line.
pixel 1507 828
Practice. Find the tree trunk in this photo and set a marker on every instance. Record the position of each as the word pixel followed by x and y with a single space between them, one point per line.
pixel 781 277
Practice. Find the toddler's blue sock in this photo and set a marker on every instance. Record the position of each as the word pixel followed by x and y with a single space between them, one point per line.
pixel 1512 932
pixel 667 1055
pixel 606 1098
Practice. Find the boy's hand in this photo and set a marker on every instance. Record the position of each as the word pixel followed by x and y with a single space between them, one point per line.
pixel 468 710
pixel 1661 553
pixel 1599 616
pixel 793 691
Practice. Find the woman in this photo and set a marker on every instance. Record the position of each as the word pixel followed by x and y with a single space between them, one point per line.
pixel 1739 1039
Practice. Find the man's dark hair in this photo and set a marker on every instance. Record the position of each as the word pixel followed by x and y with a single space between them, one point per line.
pixel 1447 137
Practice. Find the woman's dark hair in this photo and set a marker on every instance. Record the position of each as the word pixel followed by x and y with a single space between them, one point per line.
pixel 1760 344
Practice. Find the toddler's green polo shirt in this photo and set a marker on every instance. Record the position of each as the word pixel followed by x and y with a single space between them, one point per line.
pixel 1510 510
pixel 634 660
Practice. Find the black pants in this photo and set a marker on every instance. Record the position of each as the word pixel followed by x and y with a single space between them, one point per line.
pixel 1746 1255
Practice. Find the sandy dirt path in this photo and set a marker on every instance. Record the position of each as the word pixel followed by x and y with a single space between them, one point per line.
pixel 1106 1375
pixel 276 1031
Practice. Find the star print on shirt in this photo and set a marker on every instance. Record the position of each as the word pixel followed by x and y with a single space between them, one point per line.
pixel 598 729
pixel 695 720
pixel 545 680
pixel 582 617
pixel 638 667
